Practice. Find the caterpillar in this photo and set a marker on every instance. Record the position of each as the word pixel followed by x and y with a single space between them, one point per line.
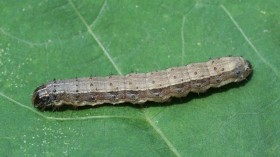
pixel 137 88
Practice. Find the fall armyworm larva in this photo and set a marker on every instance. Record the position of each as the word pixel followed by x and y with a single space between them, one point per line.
pixel 139 88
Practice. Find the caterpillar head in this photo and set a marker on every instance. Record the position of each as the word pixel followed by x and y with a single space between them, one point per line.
pixel 243 71
pixel 41 98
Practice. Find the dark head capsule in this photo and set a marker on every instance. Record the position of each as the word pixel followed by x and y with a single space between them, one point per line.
pixel 41 98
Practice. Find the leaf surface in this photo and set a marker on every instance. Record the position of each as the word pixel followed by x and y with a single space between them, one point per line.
pixel 42 40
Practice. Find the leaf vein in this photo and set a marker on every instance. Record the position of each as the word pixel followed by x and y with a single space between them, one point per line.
pixel 106 53
pixel 249 42
pixel 99 14
pixel 20 39
pixel 161 134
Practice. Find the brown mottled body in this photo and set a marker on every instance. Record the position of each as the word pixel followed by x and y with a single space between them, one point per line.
pixel 139 88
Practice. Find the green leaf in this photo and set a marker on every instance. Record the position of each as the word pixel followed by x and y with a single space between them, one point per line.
pixel 42 40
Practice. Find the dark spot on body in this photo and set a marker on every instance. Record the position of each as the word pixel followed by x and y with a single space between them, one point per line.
pixel 114 97
pixel 179 90
pixel 133 96
pixel 155 92
pixel 77 97
pixel 92 98
pixel 237 72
